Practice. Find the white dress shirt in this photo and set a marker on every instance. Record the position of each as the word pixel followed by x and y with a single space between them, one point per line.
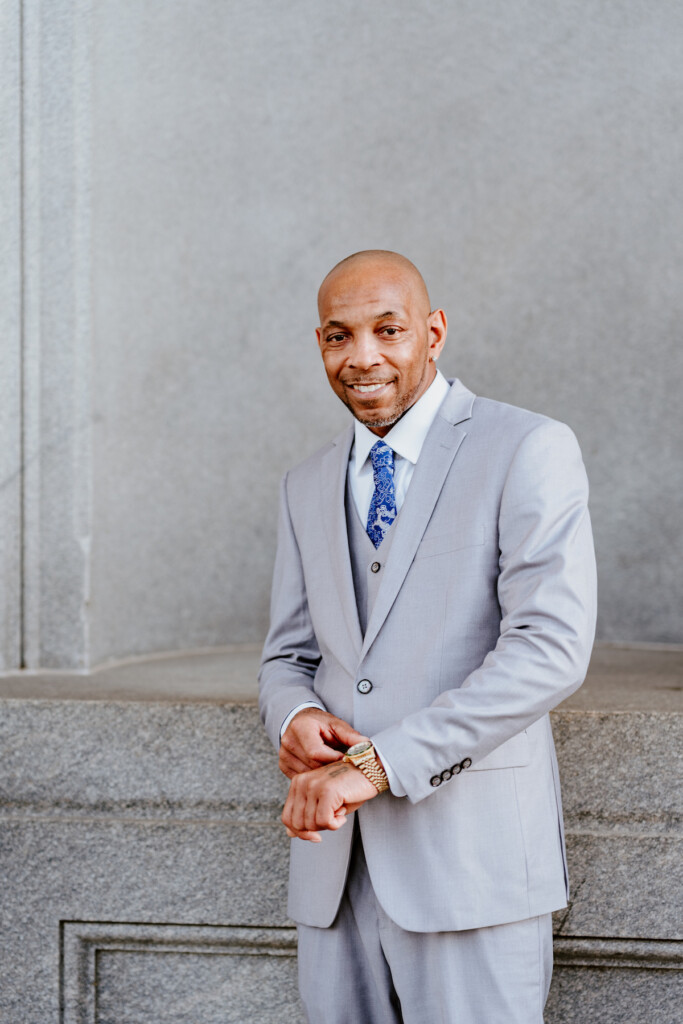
pixel 406 439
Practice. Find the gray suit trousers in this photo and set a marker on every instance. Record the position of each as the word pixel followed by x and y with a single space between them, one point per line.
pixel 366 968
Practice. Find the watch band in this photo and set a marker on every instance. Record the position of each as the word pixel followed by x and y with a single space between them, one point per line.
pixel 377 775
pixel 366 759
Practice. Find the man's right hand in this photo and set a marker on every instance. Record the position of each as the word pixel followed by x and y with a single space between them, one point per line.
pixel 314 738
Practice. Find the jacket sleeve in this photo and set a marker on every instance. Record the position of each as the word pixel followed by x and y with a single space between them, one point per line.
pixel 547 595
pixel 290 656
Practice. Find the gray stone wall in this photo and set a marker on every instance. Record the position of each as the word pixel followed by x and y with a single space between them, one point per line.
pixel 180 176
pixel 144 867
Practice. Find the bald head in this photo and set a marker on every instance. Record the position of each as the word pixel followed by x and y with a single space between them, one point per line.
pixel 376 265
pixel 378 339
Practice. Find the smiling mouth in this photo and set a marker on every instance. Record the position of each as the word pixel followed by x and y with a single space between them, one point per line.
pixel 368 389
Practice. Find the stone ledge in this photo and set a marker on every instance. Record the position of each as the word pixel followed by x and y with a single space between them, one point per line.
pixel 223 675
pixel 620 678
pixel 169 738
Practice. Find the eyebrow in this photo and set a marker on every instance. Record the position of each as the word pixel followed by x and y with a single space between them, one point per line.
pixel 380 316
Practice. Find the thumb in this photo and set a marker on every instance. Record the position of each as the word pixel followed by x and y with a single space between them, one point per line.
pixel 345 733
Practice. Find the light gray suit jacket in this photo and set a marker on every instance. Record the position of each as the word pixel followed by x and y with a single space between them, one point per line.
pixel 483 622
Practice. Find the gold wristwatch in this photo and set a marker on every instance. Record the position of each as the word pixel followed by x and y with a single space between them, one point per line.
pixel 364 757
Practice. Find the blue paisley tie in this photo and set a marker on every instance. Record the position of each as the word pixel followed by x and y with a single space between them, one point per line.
pixel 383 505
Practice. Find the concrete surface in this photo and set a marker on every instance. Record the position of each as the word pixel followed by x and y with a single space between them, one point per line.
pixel 180 181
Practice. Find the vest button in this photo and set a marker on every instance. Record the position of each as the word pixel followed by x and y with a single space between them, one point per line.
pixel 364 686
pixel 375 567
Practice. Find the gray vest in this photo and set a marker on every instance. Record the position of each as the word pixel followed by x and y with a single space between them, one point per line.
pixel 367 562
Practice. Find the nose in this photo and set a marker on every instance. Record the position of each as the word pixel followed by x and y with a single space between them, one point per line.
pixel 365 352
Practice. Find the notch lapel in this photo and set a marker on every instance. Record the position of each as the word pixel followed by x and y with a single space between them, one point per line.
pixel 333 493
pixel 440 448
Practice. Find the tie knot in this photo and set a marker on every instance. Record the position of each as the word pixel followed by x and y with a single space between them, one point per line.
pixel 382 456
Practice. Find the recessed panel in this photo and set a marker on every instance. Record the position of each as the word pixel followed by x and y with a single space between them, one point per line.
pixel 202 988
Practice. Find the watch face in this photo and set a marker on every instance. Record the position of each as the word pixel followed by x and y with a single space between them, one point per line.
pixel 358 748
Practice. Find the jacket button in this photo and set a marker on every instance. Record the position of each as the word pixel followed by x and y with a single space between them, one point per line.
pixel 364 686
pixel 456 769
pixel 375 567
pixel 446 774
pixel 466 763
pixel 435 781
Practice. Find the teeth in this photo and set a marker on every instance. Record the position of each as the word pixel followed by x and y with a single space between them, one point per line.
pixel 367 387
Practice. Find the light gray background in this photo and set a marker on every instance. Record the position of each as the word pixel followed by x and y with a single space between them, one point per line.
pixel 183 174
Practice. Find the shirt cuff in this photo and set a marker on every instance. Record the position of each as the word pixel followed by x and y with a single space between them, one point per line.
pixel 297 709
pixel 394 785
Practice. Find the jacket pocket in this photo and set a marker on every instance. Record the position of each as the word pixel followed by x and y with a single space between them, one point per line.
pixel 514 753
pixel 469 536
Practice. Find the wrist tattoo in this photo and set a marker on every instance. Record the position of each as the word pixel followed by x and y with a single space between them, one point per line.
pixel 339 770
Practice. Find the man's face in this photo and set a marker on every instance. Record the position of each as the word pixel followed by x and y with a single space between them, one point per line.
pixel 378 341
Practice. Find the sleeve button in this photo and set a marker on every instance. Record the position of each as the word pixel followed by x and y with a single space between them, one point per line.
pixel 466 763
pixel 435 781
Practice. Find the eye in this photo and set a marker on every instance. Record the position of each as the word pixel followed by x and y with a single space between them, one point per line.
pixel 390 332
pixel 335 339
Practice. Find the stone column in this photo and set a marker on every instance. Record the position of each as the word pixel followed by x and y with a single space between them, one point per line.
pixel 56 400
pixel 10 337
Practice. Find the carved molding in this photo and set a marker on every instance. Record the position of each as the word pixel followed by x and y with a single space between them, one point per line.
pixel 634 953
pixel 82 941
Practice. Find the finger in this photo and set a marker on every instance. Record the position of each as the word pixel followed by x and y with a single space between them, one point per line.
pixel 291 765
pixel 322 805
pixel 308 748
pixel 315 757
pixel 344 733
pixel 337 823
pixel 350 808
pixel 292 816
pixel 311 837
pixel 313 737
pixel 311 818
pixel 297 800
pixel 327 755
pixel 304 742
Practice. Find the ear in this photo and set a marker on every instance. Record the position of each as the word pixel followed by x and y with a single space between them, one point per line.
pixel 438 328
pixel 318 334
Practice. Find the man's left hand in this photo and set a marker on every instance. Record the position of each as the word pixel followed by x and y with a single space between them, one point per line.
pixel 321 799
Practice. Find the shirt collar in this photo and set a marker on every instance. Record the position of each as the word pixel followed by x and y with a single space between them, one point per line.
pixel 408 435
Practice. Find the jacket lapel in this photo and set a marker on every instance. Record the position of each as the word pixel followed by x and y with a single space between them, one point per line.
pixel 441 445
pixel 333 487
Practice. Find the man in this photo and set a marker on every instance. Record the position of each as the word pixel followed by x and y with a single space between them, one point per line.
pixel 433 599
